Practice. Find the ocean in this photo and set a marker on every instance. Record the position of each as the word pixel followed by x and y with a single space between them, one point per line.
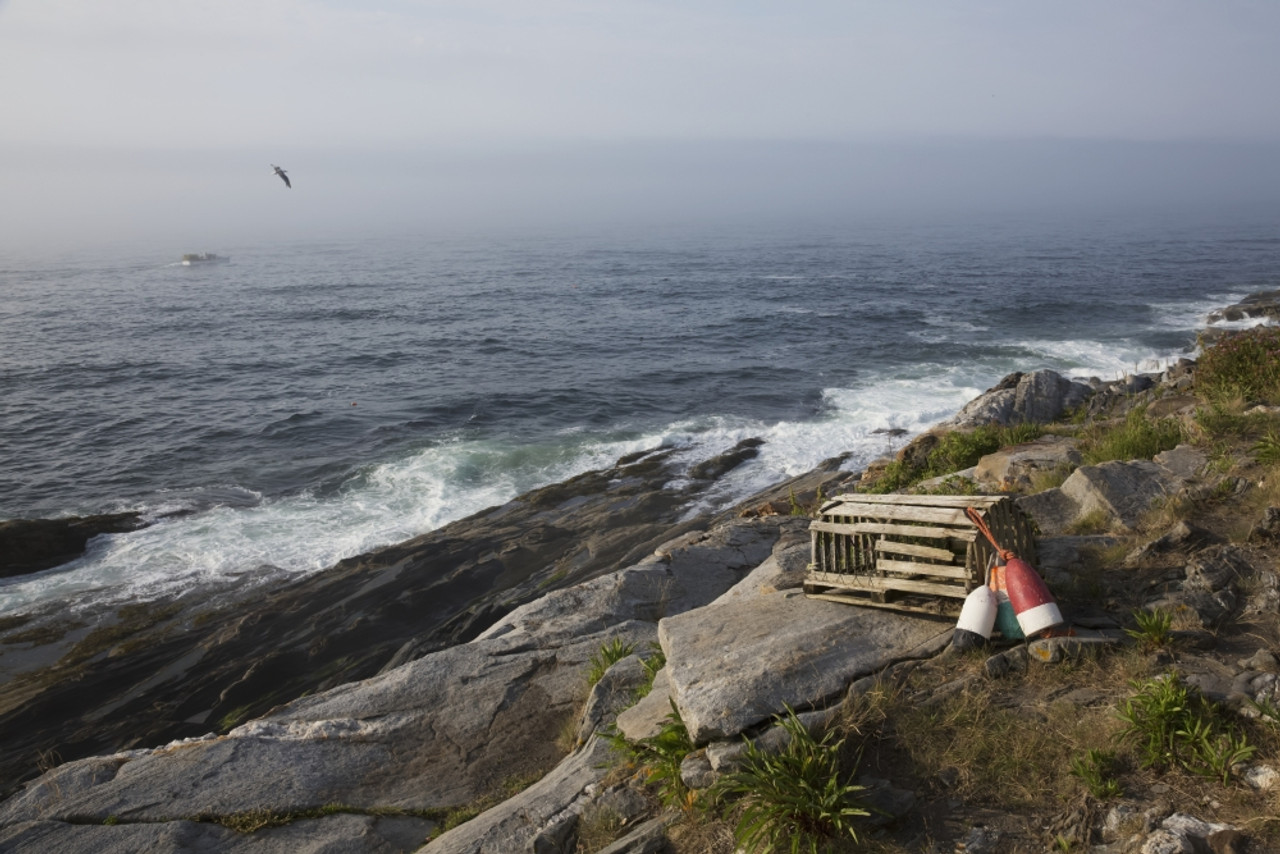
pixel 314 400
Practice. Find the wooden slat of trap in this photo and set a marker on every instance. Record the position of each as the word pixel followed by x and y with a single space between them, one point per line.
pixel 855 528
pixel 960 501
pixel 930 552
pixel 933 607
pixel 910 567
pixel 909 513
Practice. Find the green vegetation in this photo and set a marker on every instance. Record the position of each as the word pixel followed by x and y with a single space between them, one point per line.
pixel 1245 366
pixel 1154 629
pixel 251 821
pixel 653 662
pixel 1096 769
pixel 1173 725
pixel 953 452
pixel 796 799
pixel 1136 438
pixel 610 654
pixel 1267 450
pixel 659 757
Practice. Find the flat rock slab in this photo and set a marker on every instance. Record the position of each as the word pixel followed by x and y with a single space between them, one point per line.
pixel 350 834
pixel 737 663
pixel 539 810
pixel 437 732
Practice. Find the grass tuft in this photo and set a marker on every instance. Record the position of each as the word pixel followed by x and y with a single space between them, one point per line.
pixel 1136 438
pixel 795 799
pixel 610 654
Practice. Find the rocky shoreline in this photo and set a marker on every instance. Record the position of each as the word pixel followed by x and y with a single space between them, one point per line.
pixel 145 674
pixel 357 709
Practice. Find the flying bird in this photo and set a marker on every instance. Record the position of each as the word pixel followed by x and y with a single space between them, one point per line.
pixel 283 176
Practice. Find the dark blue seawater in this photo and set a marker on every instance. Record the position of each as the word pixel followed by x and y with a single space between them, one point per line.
pixel 310 401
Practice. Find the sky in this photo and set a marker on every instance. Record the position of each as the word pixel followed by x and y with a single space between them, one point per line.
pixel 159 119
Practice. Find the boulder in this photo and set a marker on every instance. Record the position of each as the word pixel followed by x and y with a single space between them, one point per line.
pixel 1183 462
pixel 1037 397
pixel 784 569
pixel 1013 467
pixel 737 663
pixel 1119 492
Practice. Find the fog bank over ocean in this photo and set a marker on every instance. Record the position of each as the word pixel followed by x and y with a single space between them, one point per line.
pixel 190 199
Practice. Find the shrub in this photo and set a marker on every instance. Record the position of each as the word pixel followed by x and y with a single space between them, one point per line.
pixel 794 799
pixel 1246 364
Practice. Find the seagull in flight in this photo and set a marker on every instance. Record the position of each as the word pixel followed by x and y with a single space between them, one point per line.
pixel 283 176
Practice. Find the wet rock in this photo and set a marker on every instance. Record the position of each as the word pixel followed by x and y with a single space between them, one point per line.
pixel 1260 304
pixel 32 545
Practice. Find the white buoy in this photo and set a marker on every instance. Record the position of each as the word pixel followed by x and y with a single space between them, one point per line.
pixel 977 619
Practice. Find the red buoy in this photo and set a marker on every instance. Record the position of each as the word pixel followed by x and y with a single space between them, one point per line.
pixel 1031 600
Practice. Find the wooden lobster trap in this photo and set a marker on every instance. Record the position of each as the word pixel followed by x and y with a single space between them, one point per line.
pixel 910 552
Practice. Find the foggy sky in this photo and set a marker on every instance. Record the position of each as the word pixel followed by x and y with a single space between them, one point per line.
pixel 158 119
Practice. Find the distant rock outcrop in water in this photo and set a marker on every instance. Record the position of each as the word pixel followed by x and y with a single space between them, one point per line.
pixel 32 545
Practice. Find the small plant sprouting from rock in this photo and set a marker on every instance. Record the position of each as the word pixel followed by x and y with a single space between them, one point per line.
pixel 1154 629
pixel 1096 769
pixel 660 756
pixel 1173 725
pixel 655 661
pixel 610 654
pixel 796 799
